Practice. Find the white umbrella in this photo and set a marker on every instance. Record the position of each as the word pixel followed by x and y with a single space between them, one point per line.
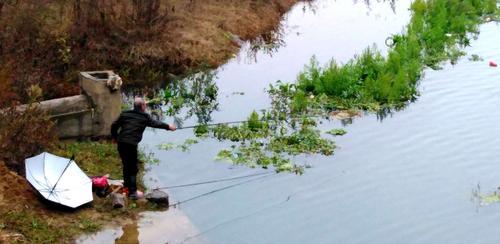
pixel 59 180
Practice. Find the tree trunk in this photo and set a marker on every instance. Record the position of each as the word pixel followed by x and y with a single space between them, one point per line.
pixel 2 2
pixel 77 9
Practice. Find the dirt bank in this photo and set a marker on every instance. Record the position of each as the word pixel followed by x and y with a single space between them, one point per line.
pixel 144 41
pixel 203 32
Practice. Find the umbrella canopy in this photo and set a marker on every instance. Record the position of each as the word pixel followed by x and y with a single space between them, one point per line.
pixel 59 180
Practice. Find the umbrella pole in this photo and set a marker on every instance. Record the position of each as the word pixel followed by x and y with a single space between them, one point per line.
pixel 67 165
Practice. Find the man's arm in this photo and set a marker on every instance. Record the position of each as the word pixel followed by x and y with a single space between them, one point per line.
pixel 158 124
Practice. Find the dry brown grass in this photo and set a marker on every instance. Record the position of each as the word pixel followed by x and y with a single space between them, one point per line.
pixel 199 31
pixel 48 41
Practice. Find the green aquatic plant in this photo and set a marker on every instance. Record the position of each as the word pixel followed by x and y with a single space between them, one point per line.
pixel 475 58
pixel 238 133
pixel 254 128
pixel 254 122
pixel 273 141
pixel 254 155
pixel 438 31
pixel 201 131
pixel 304 141
pixel 166 146
pixel 337 132
pixel 185 146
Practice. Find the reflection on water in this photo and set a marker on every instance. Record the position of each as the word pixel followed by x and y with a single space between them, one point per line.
pixel 171 226
pixel 368 4
pixel 267 43
pixel 130 234
pixel 194 95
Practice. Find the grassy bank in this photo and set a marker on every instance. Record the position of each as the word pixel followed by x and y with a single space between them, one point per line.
pixel 25 219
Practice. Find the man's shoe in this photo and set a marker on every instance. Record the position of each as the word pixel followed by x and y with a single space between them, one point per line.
pixel 136 195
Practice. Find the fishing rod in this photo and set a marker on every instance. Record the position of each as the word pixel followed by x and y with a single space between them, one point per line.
pixel 243 121
pixel 213 181
pixel 214 124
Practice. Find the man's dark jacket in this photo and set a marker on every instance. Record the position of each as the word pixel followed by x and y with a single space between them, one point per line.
pixel 128 128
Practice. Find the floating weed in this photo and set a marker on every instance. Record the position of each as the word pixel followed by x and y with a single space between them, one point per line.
pixel 240 133
pixel 185 146
pixel 166 146
pixel 255 155
pixel 238 93
pixel 265 143
pixel 475 58
pixel 225 154
pixel 337 132
pixel 306 140
pixel 490 199
pixel 201 131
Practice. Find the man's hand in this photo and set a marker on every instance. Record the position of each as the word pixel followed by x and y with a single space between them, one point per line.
pixel 172 127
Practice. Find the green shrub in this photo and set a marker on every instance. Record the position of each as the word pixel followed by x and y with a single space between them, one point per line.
pixel 438 30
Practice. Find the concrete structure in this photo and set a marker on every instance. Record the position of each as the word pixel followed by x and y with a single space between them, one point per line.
pixel 91 113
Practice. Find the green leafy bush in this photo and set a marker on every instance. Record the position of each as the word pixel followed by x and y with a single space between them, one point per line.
pixel 438 31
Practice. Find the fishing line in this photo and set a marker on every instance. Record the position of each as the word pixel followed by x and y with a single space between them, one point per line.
pixel 237 218
pixel 287 199
pixel 220 189
pixel 212 181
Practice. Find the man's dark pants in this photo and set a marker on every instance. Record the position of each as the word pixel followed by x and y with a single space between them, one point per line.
pixel 128 153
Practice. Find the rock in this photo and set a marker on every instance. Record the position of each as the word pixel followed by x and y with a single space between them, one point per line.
pixel 118 200
pixel 158 197
pixel 345 114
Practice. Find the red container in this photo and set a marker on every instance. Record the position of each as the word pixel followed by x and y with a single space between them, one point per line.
pixel 100 182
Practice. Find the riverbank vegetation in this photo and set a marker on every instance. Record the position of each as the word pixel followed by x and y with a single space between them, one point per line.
pixel 438 31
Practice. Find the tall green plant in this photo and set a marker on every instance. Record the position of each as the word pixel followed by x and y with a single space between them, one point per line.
pixel 437 32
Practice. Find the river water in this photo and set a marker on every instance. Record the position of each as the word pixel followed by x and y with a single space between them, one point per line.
pixel 407 178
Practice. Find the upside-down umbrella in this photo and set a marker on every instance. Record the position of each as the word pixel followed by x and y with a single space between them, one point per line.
pixel 59 179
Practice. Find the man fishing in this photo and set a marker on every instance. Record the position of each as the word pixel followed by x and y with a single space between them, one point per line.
pixel 127 130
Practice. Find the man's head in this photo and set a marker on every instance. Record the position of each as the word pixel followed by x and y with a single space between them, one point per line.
pixel 139 104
